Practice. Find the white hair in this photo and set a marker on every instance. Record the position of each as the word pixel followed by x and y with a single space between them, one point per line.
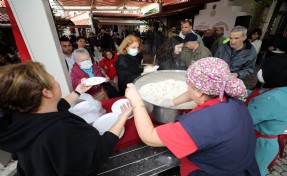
pixel 80 51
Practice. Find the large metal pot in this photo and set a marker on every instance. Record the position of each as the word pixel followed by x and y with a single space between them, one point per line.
pixel 159 114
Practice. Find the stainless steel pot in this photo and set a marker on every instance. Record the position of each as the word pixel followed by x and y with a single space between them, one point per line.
pixel 159 114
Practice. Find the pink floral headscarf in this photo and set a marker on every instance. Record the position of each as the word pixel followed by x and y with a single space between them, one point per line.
pixel 211 76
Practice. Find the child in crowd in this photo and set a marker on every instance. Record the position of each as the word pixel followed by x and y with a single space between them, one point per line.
pixel 108 64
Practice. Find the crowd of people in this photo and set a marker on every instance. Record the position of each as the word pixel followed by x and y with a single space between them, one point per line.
pixel 230 123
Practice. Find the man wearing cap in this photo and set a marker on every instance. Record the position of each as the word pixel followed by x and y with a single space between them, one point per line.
pixel 193 50
pixel 238 53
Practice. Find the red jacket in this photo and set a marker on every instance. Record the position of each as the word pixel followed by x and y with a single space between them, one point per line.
pixel 77 74
pixel 111 71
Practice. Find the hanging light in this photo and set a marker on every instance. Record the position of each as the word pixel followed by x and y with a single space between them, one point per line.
pixel 125 7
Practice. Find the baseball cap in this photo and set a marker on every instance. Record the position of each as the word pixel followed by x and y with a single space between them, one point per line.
pixel 190 37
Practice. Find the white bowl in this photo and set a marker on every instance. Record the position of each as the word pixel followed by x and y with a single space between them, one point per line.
pixel 105 122
pixel 86 111
pixel 116 107
pixel 278 51
pixel 94 81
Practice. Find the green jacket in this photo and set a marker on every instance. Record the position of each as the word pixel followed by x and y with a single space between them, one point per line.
pixel 188 57
pixel 219 41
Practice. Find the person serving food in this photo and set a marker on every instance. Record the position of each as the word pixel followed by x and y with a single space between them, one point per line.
pixel 215 138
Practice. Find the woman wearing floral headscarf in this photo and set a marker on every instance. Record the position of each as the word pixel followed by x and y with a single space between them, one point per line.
pixel 268 108
pixel 217 137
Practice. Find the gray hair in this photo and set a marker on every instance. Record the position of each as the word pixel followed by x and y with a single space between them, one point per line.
pixel 240 29
pixel 80 51
pixel 220 27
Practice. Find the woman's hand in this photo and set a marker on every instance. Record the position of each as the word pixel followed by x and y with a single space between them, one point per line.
pixel 126 109
pixel 133 95
pixel 271 48
pixel 82 88
pixel 107 78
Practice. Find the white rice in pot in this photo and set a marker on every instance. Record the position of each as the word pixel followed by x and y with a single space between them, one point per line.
pixel 155 92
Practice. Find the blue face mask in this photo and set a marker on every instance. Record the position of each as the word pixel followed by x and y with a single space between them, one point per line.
pixel 132 51
pixel 87 64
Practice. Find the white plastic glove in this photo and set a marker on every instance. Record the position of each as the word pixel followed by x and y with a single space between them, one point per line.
pixel 167 103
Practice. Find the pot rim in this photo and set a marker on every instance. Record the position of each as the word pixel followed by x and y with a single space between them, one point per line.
pixel 158 72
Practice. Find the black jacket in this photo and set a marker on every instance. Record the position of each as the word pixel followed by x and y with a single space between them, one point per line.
pixel 56 143
pixel 150 37
pixel 170 63
pixel 128 69
pixel 159 38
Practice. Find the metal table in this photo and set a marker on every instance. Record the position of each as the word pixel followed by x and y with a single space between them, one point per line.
pixel 139 160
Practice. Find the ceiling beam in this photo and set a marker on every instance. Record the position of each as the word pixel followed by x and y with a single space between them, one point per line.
pixel 102 10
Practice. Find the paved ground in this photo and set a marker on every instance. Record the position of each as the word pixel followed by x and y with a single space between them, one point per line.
pixel 280 169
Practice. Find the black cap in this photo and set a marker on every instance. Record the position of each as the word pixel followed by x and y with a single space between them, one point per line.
pixel 190 37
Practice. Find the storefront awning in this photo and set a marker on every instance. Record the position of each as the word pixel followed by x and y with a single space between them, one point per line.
pixel 120 22
pixel 169 12
pixel 116 15
pixel 84 22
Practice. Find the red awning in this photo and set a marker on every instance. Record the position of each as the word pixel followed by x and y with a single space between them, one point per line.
pixel 84 22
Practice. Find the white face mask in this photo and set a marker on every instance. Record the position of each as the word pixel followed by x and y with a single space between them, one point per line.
pixel 260 76
pixel 132 51
pixel 87 64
